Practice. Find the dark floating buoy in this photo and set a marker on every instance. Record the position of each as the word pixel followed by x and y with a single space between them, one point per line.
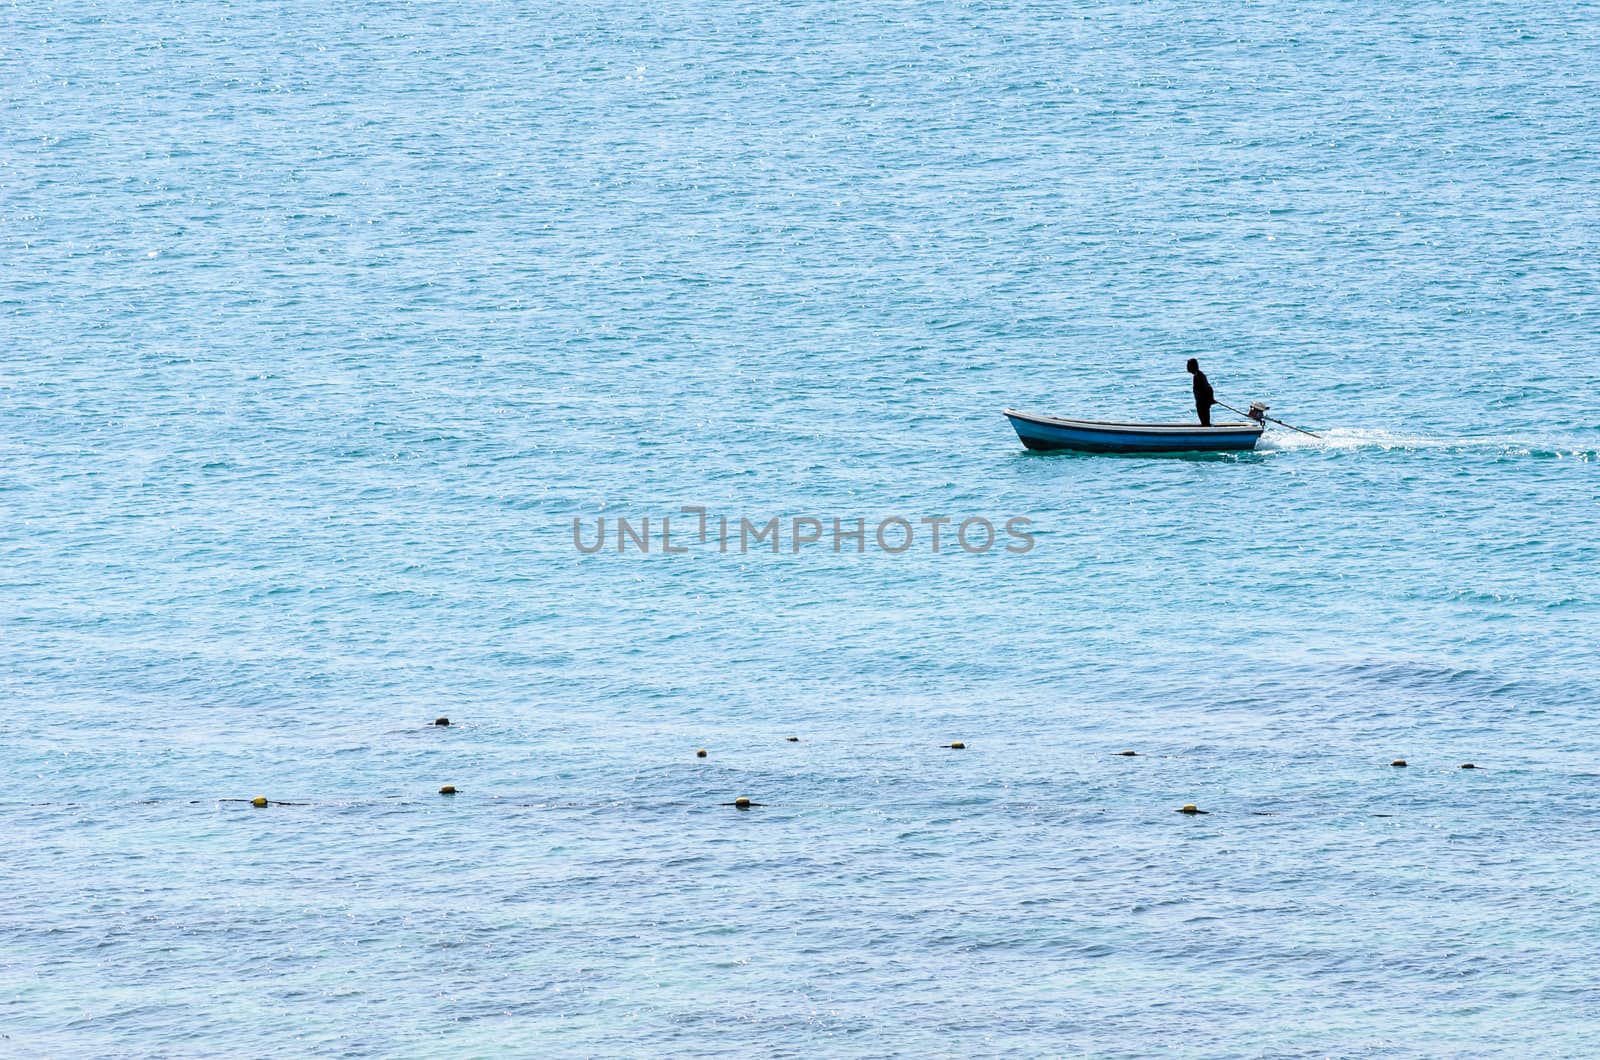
pixel 742 803
pixel 700 753
pixel 1468 765
pixel 1125 754
pixel 1191 809
pixel 957 746
pixel 792 739
pixel 1398 762
pixel 448 789
pixel 441 721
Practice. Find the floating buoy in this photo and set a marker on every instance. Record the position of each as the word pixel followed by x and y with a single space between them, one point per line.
pixel 448 789
pixel 1398 762
pixel 441 721
pixel 700 753
pixel 1126 754
pixel 792 739
pixel 957 746
pixel 259 801
pixel 742 803
pixel 1468 765
pixel 1191 809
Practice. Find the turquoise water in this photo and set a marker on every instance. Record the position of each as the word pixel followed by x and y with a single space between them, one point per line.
pixel 323 323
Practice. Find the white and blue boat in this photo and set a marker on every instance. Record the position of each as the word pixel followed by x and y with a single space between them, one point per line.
pixel 1049 433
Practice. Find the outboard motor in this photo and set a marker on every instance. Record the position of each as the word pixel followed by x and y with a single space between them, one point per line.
pixel 1258 411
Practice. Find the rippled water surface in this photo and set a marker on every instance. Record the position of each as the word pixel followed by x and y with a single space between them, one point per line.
pixel 322 323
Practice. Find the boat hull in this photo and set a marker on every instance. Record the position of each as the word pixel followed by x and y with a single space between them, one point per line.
pixel 1053 433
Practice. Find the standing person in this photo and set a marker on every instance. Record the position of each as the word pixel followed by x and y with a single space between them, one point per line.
pixel 1204 398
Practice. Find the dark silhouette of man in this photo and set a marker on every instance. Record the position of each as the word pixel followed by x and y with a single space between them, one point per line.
pixel 1204 398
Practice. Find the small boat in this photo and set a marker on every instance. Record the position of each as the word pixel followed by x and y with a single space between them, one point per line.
pixel 1046 433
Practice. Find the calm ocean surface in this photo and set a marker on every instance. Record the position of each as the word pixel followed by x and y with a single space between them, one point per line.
pixel 321 323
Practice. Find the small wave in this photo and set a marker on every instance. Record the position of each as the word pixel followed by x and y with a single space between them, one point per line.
pixel 1411 673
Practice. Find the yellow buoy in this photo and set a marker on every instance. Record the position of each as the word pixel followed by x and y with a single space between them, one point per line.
pixel 259 801
pixel 1398 762
pixel 1189 807
pixel 700 753
pixel 742 803
pixel 448 789
pixel 958 746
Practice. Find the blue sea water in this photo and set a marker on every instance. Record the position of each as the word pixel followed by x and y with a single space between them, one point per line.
pixel 323 323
